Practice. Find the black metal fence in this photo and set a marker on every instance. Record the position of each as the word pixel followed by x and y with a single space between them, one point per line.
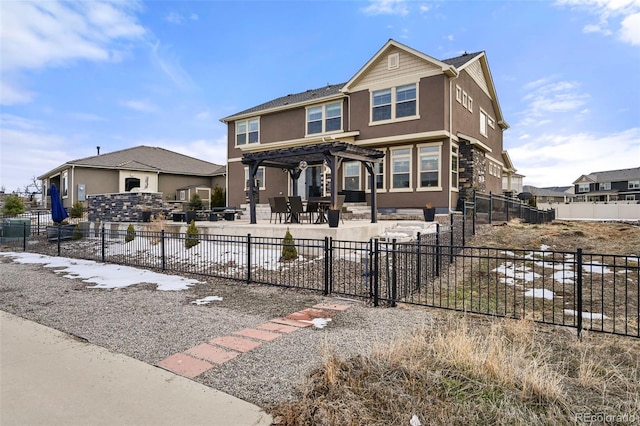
pixel 489 208
pixel 598 292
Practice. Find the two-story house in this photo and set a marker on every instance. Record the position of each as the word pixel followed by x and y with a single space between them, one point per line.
pixel 611 185
pixel 438 123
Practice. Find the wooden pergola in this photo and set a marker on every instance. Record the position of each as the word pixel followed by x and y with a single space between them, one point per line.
pixel 295 159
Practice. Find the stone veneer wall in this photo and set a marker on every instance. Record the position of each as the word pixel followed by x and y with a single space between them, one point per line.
pixel 124 207
pixel 471 170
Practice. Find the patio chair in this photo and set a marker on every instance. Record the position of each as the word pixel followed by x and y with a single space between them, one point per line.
pixel 313 207
pixel 272 205
pixel 281 208
pixel 296 208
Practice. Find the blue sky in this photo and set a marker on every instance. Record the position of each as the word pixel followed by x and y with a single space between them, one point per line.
pixel 76 75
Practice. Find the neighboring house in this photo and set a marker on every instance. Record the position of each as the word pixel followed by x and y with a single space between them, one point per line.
pixel 438 122
pixel 550 195
pixel 512 182
pixel 138 169
pixel 612 185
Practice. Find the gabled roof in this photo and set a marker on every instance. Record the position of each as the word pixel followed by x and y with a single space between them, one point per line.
pixel 451 67
pixel 547 192
pixel 146 158
pixel 445 68
pixel 621 175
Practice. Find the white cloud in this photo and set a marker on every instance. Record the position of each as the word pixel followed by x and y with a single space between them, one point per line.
pixel 170 66
pixel 140 105
pixel 547 98
pixel 424 8
pixel 630 29
pixel 37 35
pixel 194 17
pixel 387 7
pixel 558 160
pixel 174 18
pixel 204 115
pixel 625 13
pixel 214 150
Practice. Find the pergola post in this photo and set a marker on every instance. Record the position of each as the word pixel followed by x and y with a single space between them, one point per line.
pixel 372 185
pixel 253 170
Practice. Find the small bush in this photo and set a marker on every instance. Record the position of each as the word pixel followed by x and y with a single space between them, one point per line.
pixel 77 233
pixel 131 233
pixel 218 197
pixel 289 251
pixel 76 210
pixel 13 205
pixel 195 203
pixel 192 235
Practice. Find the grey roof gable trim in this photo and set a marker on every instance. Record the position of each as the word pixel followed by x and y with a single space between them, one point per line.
pixel 292 99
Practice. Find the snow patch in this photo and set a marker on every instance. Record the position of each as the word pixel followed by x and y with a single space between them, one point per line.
pixel 206 300
pixel 540 293
pixel 586 315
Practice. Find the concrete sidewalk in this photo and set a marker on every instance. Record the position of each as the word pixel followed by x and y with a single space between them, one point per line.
pixel 50 378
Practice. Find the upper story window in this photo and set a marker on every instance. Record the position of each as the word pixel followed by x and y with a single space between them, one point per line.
pixel 324 118
pixel 393 103
pixel 247 131
pixel 483 123
pixel 583 187
pixel 634 184
pixel 604 186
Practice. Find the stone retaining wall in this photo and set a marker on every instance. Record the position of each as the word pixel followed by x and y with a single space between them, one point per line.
pixel 124 207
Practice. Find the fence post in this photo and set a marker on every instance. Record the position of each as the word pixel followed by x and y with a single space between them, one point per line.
pixel 330 265
pixel 38 222
pixel 162 251
pixel 490 207
pixel 376 263
pixel 24 236
pixel 394 274
pixel 464 225
pixel 102 241
pixel 438 251
pixel 475 211
pixel 418 262
pixel 248 258
pixel 451 240
pixel 579 291
pixel 59 236
pixel 326 265
pixel 508 205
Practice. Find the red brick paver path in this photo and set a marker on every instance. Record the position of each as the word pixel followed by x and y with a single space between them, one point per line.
pixel 204 357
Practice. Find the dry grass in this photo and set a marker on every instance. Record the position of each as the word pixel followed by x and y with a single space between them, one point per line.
pixel 465 369
pixel 468 370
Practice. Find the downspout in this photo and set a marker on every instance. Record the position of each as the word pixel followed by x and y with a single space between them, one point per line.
pixel 349 112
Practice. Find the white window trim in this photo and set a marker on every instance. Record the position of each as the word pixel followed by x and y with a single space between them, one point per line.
pixel 451 155
pixel 263 185
pixel 235 135
pixel 384 174
pixel 603 186
pixel 324 119
pixel 470 104
pixel 629 197
pixel 458 94
pixel 581 186
pixel 484 113
pixel 430 188
pixel 491 122
pixel 393 118
pixel 633 184
pixel 391 157
pixel 465 98
pixel 344 176
pixel 64 184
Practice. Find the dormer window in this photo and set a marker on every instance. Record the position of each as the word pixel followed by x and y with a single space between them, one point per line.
pixel 324 118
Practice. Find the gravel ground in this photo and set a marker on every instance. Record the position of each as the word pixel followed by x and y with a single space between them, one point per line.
pixel 149 325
